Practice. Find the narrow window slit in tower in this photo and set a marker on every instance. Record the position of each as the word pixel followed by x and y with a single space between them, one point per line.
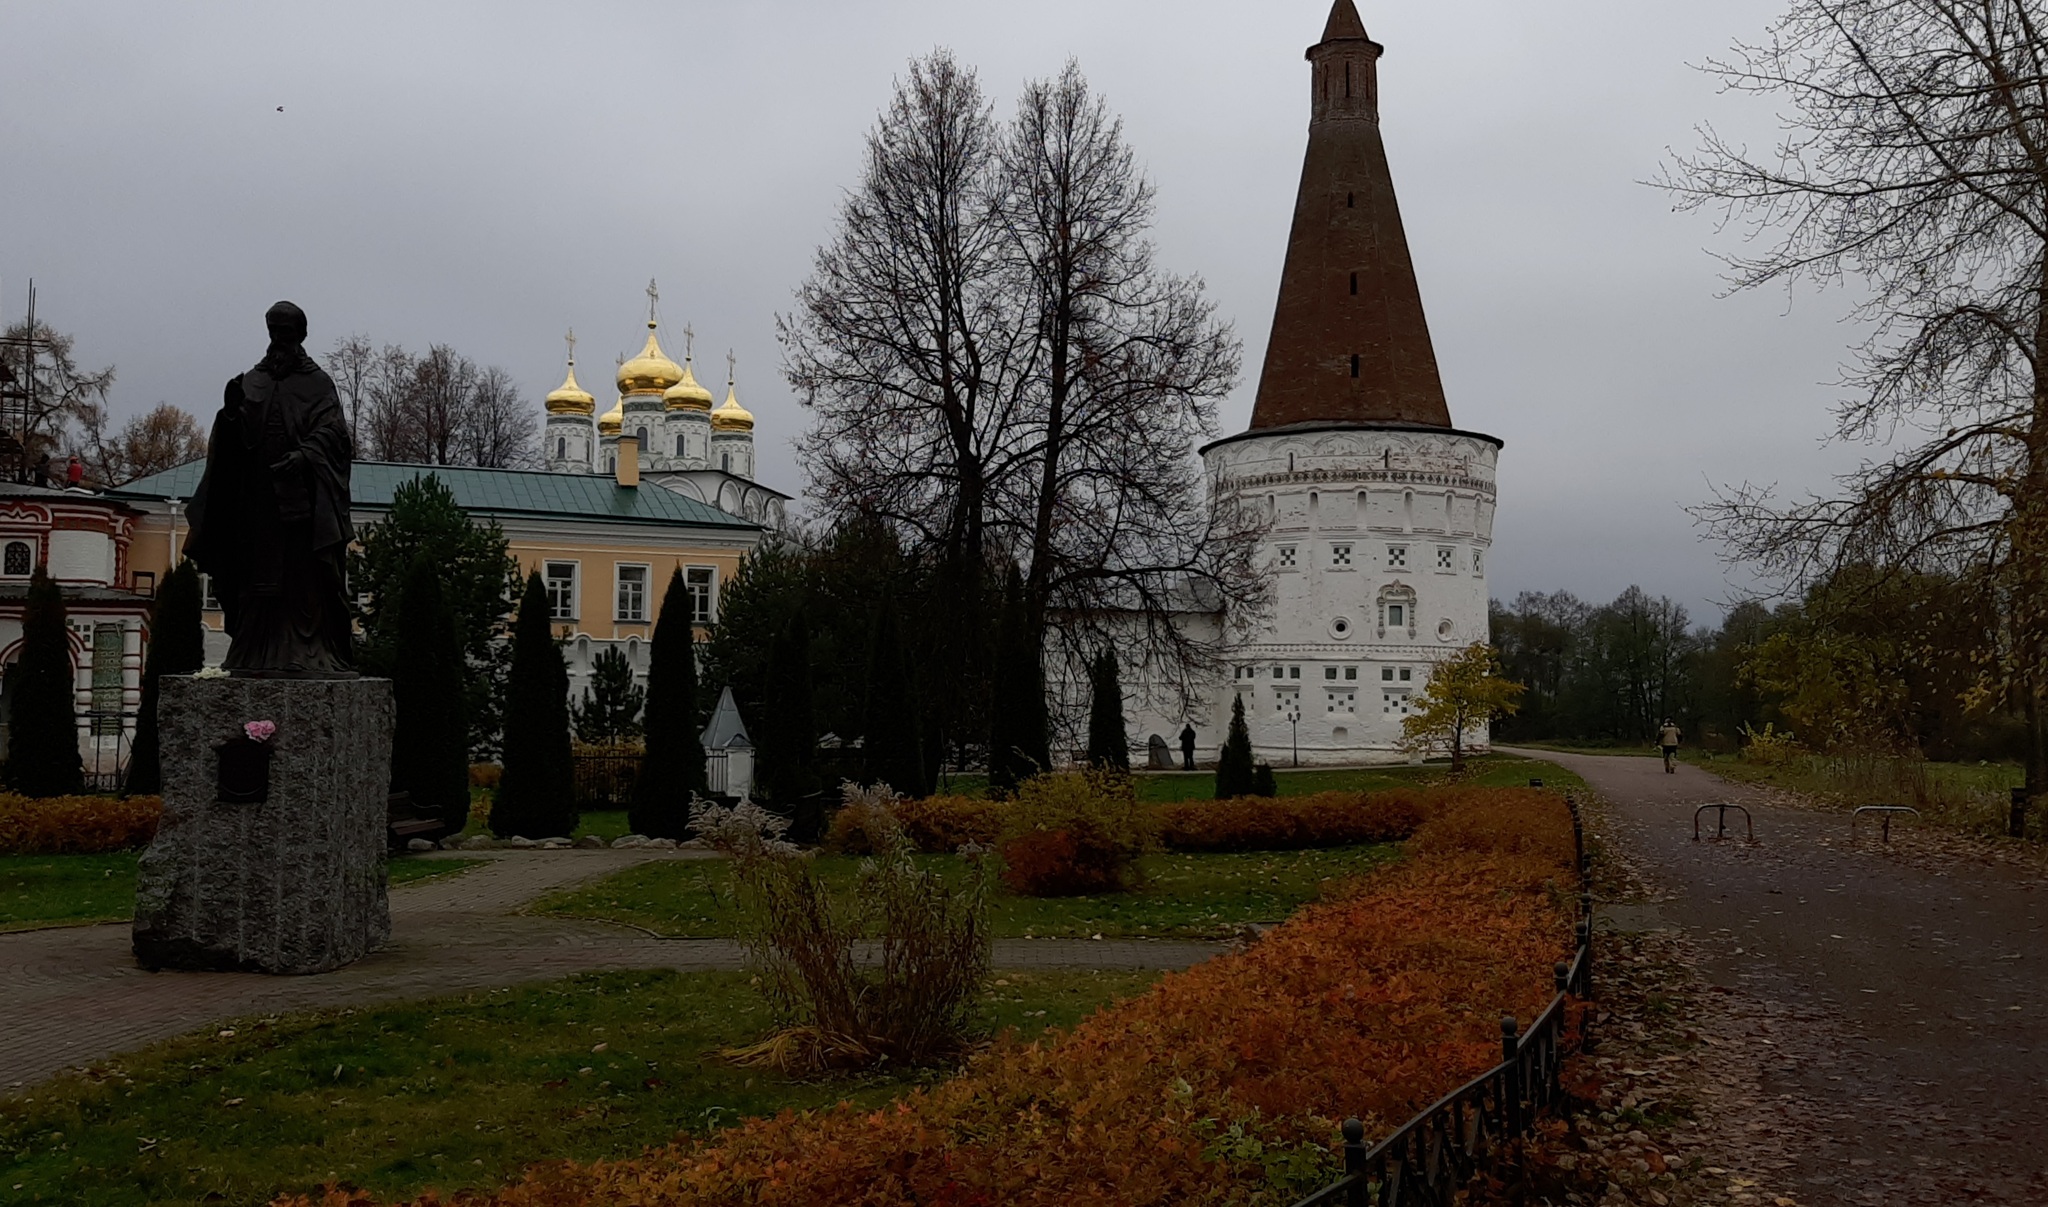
pixel 1350 200
pixel 1354 364
pixel 1354 284
pixel 1347 81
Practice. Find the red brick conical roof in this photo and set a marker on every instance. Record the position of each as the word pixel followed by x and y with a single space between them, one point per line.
pixel 1350 343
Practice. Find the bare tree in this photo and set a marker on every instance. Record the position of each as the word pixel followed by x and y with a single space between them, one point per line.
pixel 1915 160
pixel 163 438
pixel 352 364
pixel 900 339
pixel 387 433
pixel 501 429
pixel 57 392
pixel 998 368
pixel 1121 366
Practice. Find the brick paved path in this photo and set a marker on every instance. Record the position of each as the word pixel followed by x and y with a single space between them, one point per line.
pixel 73 995
pixel 1905 1041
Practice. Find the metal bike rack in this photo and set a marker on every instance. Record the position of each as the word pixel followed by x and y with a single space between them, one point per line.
pixel 1721 822
pixel 1886 811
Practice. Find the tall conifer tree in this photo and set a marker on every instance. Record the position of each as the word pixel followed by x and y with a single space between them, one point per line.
pixel 1017 723
pixel 891 723
pixel 43 722
pixel 1109 746
pixel 1234 774
pixel 430 736
pixel 789 734
pixel 534 794
pixel 177 646
pixel 673 769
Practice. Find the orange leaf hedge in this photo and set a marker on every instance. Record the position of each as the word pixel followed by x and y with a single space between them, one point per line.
pixel 76 825
pixel 1286 823
pixel 1373 1003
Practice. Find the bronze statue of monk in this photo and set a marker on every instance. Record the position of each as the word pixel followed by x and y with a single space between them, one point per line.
pixel 270 520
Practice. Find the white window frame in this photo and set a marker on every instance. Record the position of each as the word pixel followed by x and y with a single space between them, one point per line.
pixel 208 601
pixel 548 580
pixel 708 613
pixel 619 588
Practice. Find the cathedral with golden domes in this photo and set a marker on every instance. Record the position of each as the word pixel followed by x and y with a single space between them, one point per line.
pixel 663 423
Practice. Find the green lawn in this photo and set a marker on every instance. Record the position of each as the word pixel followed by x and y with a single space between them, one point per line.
pixel 1180 896
pixel 461 1092
pixel 68 890
pixel 1493 771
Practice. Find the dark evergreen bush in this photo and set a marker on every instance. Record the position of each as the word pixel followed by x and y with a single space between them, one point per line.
pixel 534 793
pixel 610 709
pixel 177 646
pixel 1109 747
pixel 1017 747
pixel 430 735
pixel 1234 764
pixel 1262 781
pixel 42 733
pixel 891 729
pixel 787 750
pixel 673 768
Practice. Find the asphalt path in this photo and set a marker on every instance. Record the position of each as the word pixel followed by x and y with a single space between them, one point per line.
pixel 1910 1060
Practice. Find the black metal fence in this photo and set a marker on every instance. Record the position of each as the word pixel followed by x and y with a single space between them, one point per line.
pixel 108 737
pixel 1432 1156
pixel 604 777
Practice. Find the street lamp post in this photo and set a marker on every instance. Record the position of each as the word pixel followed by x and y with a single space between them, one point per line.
pixel 1294 721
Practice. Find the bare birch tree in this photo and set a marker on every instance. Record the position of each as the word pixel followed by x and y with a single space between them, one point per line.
pixel 1915 161
pixel 438 409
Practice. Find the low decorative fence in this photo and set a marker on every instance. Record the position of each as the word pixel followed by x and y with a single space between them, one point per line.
pixel 1432 1156
pixel 604 777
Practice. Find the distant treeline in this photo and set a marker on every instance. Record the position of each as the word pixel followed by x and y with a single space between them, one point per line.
pixel 1862 662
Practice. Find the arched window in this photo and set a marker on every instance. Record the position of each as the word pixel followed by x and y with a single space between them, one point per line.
pixel 19 558
pixel 679 444
pixel 642 434
pixel 561 447
pixel 725 462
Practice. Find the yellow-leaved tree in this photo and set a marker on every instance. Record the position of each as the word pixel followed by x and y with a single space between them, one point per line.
pixel 1465 692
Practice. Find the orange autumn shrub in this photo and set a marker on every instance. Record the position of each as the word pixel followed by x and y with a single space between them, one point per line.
pixel 1285 823
pixel 936 825
pixel 1374 1003
pixel 76 825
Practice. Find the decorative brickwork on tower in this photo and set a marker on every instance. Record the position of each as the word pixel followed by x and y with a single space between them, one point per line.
pixel 1350 343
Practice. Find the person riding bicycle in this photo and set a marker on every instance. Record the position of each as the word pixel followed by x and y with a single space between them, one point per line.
pixel 1667 737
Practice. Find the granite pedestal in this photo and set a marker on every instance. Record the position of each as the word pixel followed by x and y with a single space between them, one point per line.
pixel 292 882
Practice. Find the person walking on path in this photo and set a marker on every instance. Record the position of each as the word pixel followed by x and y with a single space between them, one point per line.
pixel 1187 747
pixel 1667 737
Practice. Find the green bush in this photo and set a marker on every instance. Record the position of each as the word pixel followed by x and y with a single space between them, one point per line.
pixel 43 723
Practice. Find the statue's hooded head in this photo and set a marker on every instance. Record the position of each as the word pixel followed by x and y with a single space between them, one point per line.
pixel 287 324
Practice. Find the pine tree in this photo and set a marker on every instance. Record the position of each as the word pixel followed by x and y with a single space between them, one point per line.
pixel 43 721
pixel 1109 745
pixel 673 769
pixel 1234 765
pixel 430 735
pixel 535 792
pixel 1262 781
pixel 610 708
pixel 177 646
pixel 1017 746
pixel 890 718
pixel 789 736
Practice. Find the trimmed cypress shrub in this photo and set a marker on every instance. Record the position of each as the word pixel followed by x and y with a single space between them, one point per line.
pixel 535 791
pixel 1109 747
pixel 673 768
pixel 1017 748
pixel 890 720
pixel 1234 764
pixel 177 646
pixel 42 754
pixel 430 736
pixel 1262 781
pixel 789 735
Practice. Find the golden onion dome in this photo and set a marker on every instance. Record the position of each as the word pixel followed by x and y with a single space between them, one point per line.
pixel 687 395
pixel 730 415
pixel 609 423
pixel 570 398
pixel 651 372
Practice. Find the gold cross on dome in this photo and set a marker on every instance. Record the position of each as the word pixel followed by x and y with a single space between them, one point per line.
pixel 571 338
pixel 689 340
pixel 730 361
pixel 653 296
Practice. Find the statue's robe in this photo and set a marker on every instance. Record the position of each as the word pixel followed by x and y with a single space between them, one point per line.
pixel 276 541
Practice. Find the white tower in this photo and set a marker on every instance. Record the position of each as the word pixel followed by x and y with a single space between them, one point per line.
pixel 568 440
pixel 732 431
pixel 686 437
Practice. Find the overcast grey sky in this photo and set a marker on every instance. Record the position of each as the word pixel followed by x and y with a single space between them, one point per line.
pixel 489 174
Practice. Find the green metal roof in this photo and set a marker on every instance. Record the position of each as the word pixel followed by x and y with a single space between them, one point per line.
pixel 492 492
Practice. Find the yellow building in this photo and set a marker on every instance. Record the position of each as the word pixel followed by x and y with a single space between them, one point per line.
pixel 604 544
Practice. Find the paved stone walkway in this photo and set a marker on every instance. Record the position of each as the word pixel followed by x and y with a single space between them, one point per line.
pixel 1901 1041
pixel 73 995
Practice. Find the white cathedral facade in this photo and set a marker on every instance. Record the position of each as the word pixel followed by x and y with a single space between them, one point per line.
pixel 1380 512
